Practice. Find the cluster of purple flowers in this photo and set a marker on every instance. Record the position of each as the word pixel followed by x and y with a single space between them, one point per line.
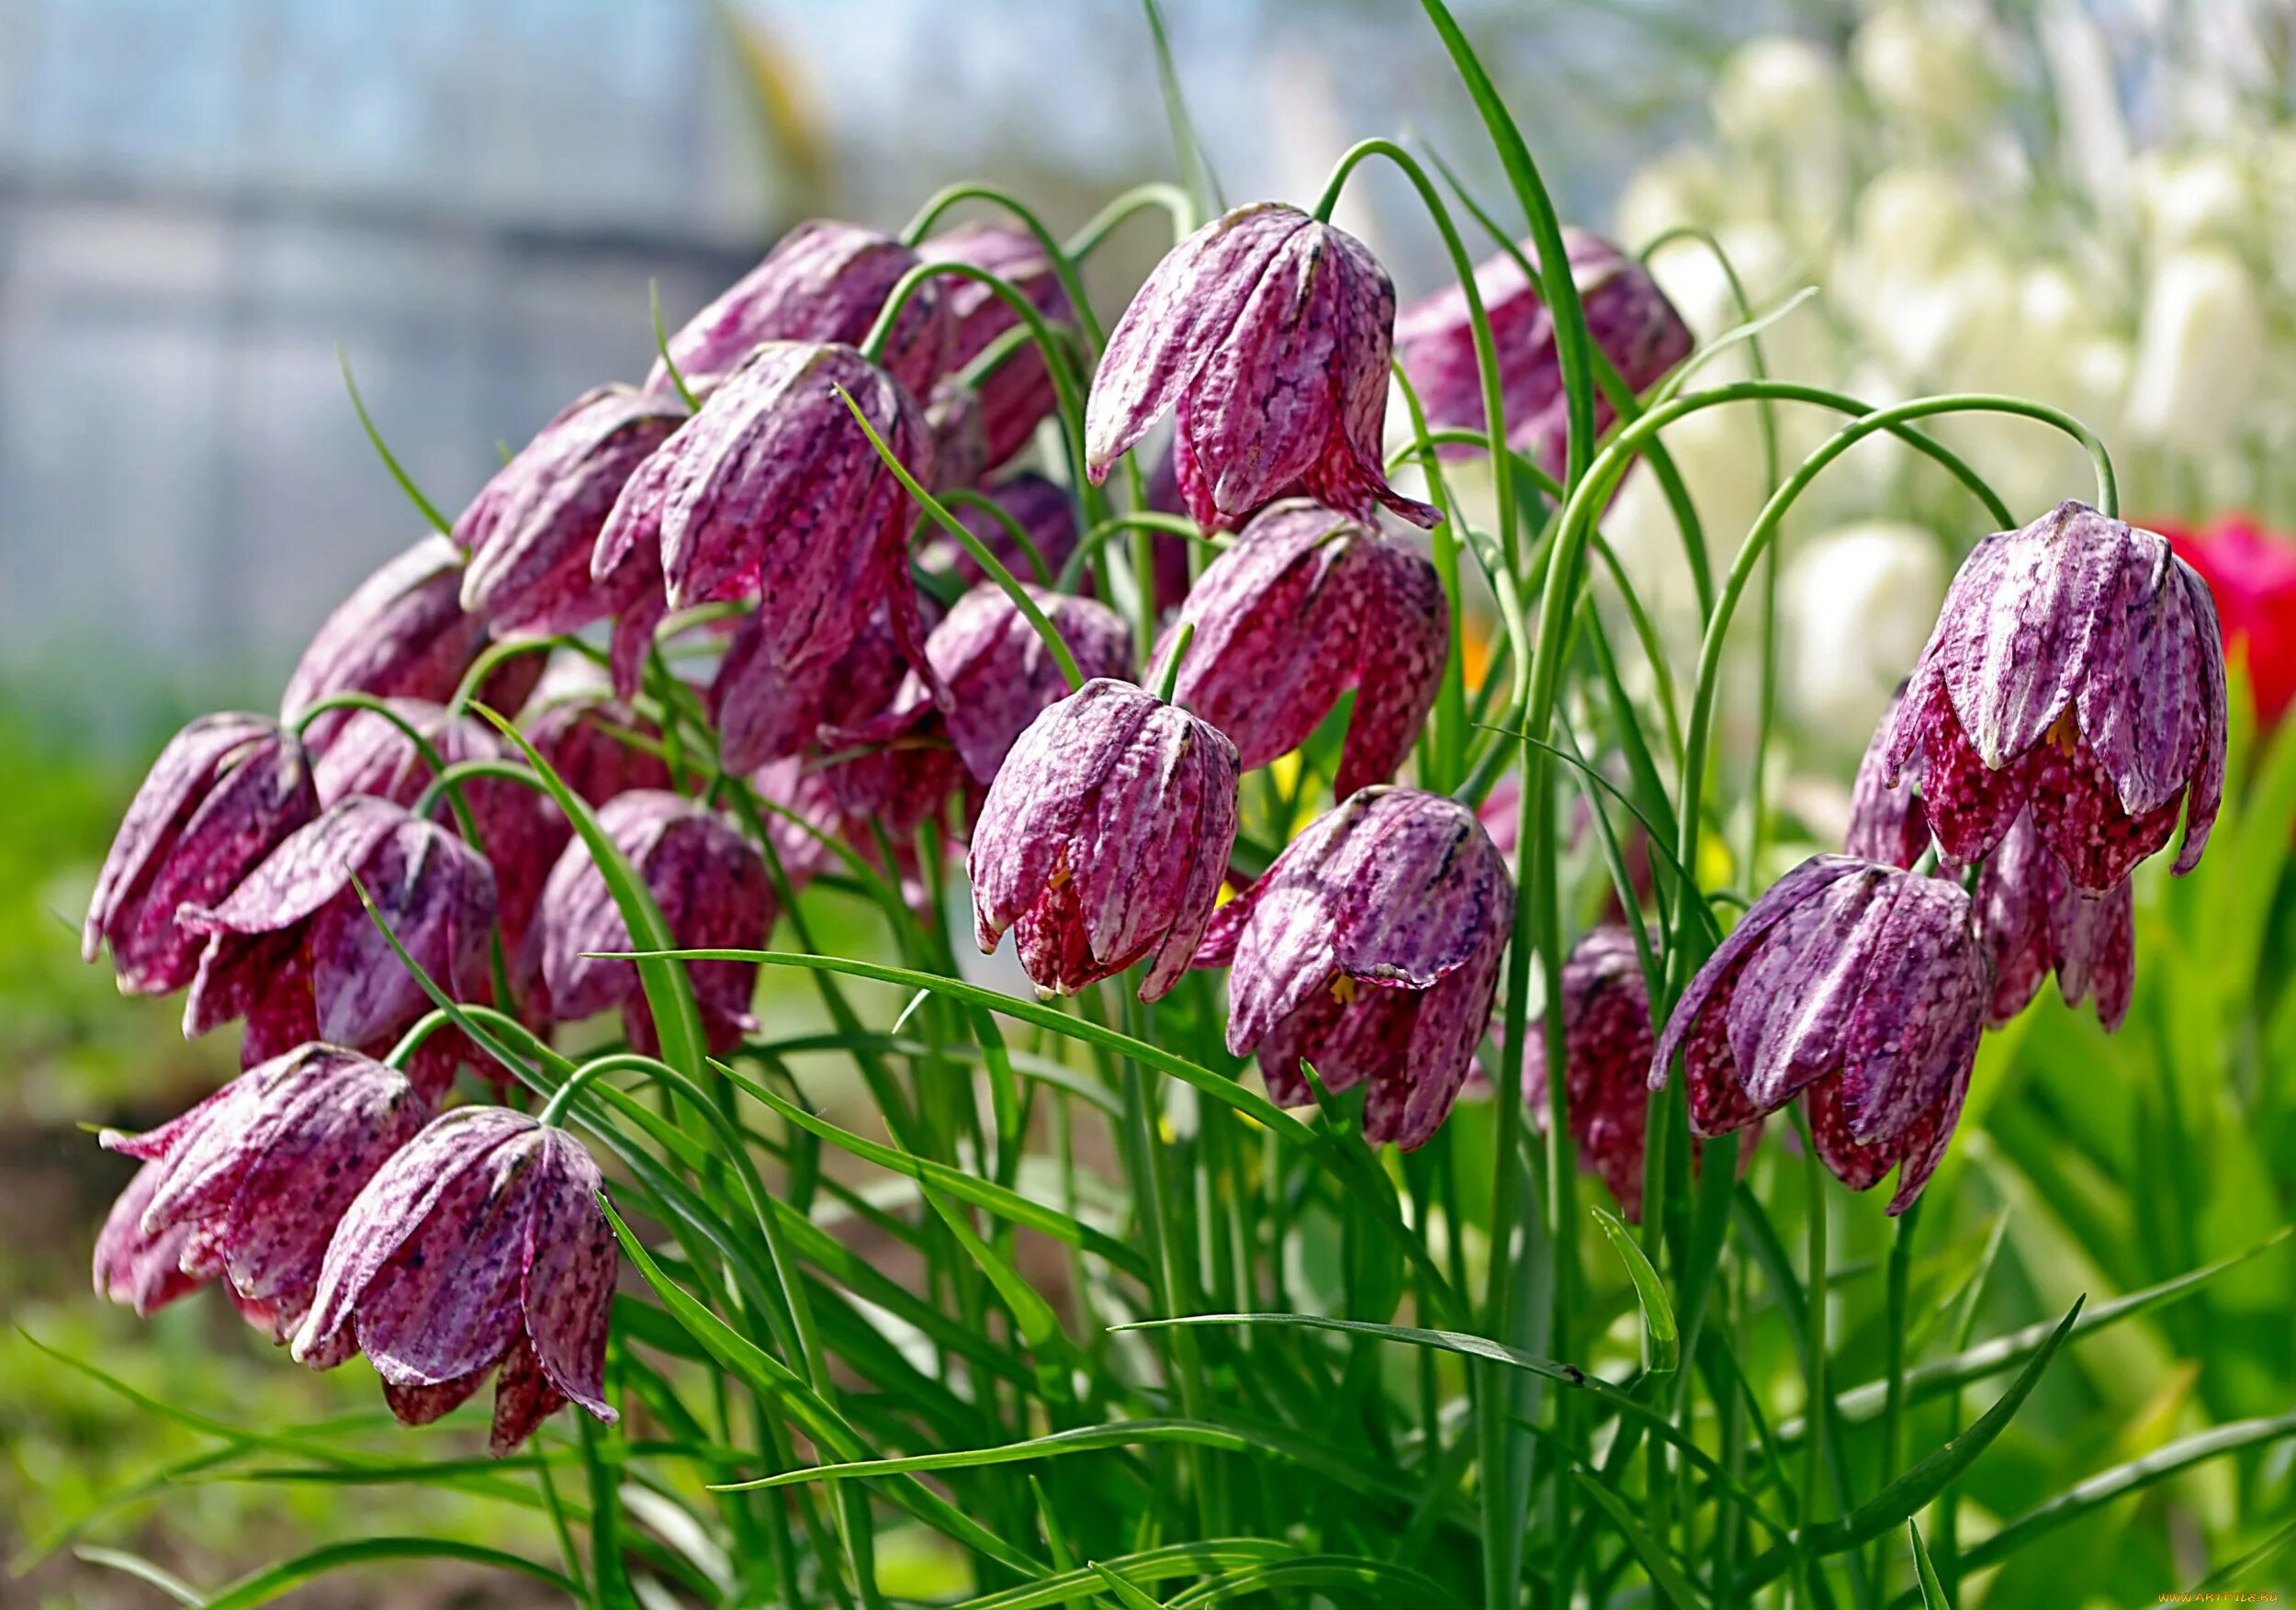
pixel 2072 695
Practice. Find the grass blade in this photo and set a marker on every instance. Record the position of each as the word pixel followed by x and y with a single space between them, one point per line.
pixel 277 1582
pixel 1661 1343
pixel 1665 1575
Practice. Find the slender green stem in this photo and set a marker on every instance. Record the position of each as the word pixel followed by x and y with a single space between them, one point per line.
pixel 1157 193
pixel 1061 258
pixel 1168 674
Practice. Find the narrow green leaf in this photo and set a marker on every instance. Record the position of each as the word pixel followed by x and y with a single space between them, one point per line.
pixel 1897 1503
pixel 2132 1476
pixel 1661 1344
pixel 1040 1326
pixel 1149 1565
pixel 1665 1575
pixel 144 1570
pixel 429 510
pixel 1122 1591
pixel 1933 1591
pixel 1324 1461
pixel 277 1582
pixel 1376 1582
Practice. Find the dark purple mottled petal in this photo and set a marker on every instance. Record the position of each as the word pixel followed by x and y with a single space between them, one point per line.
pixel 2140 706
pixel 420 1405
pixel 1886 820
pixel 2014 894
pixel 403 632
pixel 1795 1005
pixel 436 895
pixel 2092 944
pixel 569 1276
pixel 1405 626
pixel 1017 395
pixel 448 1302
pixel 142 1270
pixel 525 1397
pixel 1969 805
pixel 1920 1012
pixel 823 281
pixel 2207 778
pixel 2077 811
pixel 2016 635
pixel 393 1206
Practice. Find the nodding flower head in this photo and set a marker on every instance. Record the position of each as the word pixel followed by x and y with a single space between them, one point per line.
pixel 1862 988
pixel 2077 668
pixel 402 632
pixel 480 1243
pixel 1629 319
pixel 1017 395
pixel 1607 1042
pixel 1370 950
pixel 224 793
pixel 257 1176
pixel 774 492
pixel 708 880
pixel 293 951
pixel 2035 922
pixel 1306 605
pixel 823 281
pixel 1268 333
pixel 1104 838
pixel 532 529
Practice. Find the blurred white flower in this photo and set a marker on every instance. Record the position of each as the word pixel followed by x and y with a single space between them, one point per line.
pixel 1779 100
pixel 2184 199
pixel 2200 350
pixel 1856 604
pixel 1930 67
pixel 1685 186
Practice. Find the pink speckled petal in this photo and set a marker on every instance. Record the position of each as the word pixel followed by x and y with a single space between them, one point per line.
pixel 569 1274
pixel 449 1302
pixel 2077 811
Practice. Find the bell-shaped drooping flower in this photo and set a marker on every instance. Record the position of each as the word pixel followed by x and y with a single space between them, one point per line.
pixel 774 492
pixel 1631 322
pixel 2035 922
pixel 224 793
pixel 293 951
pixel 1268 332
pixel 1017 395
pixel 1000 674
pixel 1104 840
pixel 1371 951
pixel 479 1243
pixel 1306 605
pixel 1886 821
pixel 520 831
pixel 2076 666
pixel 260 1172
pixel 824 281
pixel 708 880
pixel 1043 512
pixel 143 1270
pixel 532 529
pixel 1606 1046
pixel 1862 987
pixel 402 632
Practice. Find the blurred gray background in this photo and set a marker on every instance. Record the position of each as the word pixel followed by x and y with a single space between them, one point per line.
pixel 200 200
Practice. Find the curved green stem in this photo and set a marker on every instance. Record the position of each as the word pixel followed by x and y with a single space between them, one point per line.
pixel 1147 520
pixel 966 498
pixel 1063 258
pixel 1139 198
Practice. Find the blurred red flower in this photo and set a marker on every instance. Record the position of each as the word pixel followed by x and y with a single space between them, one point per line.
pixel 2252 573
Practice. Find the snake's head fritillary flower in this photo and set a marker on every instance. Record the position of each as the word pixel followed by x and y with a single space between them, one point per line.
pixel 708 880
pixel 999 673
pixel 519 829
pixel 1305 605
pixel 259 1172
pixel 142 1270
pixel 1858 985
pixel 1104 840
pixel 1370 950
pixel 479 1243
pixel 1044 512
pixel 2251 573
pixel 1017 395
pixel 531 530
pixel 2035 921
pixel 2077 665
pixel 1269 333
pixel 1607 1042
pixel 402 632
pixel 773 493
pixel 223 794
pixel 824 281
pixel 1631 322
pixel 293 951
pixel 1886 821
